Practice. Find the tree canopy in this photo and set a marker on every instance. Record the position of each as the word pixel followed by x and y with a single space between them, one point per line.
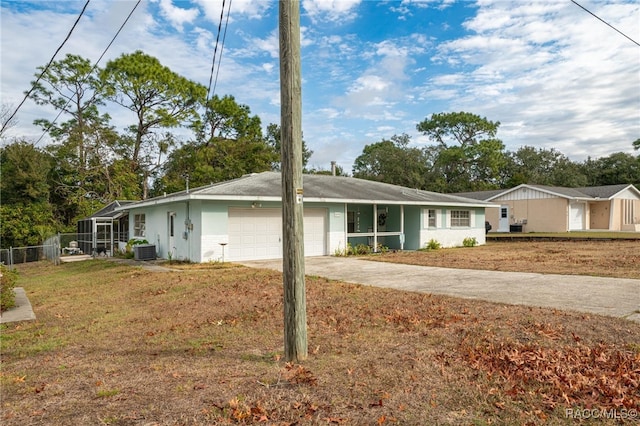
pixel 158 98
pixel 91 163
pixel 229 144
pixel 467 154
pixel 392 161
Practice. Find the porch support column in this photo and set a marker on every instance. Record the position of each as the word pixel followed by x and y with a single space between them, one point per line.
pixel 375 228
pixel 401 226
pixel 346 227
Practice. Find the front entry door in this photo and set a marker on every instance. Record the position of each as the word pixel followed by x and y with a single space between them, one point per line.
pixel 504 219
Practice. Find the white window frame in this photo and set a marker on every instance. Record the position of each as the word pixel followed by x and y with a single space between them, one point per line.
pixel 458 220
pixel 432 221
pixel 139 225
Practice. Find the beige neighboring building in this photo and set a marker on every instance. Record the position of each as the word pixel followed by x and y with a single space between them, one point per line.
pixel 539 208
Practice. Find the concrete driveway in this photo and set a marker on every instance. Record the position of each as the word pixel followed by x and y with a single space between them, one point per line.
pixel 616 297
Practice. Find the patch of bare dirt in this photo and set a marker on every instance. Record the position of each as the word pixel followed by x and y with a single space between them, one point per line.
pixel 619 259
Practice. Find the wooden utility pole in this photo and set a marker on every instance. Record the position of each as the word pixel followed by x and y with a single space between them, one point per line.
pixel 295 305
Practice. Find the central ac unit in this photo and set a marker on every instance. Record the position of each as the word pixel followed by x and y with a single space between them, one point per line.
pixel 144 252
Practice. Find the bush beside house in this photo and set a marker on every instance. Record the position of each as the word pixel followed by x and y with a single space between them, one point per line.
pixel 8 280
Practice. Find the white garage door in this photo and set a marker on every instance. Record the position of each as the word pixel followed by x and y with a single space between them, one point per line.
pixel 576 216
pixel 257 233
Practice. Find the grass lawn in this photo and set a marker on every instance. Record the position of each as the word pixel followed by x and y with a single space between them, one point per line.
pixel 117 345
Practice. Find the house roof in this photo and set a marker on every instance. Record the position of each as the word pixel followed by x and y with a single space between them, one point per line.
pixel 113 209
pixel 584 193
pixel 481 195
pixel 608 191
pixel 267 186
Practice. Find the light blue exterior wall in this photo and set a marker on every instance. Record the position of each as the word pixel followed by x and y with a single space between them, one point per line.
pixel 200 226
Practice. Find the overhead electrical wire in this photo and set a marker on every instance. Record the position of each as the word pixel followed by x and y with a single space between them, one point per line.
pixel 33 86
pixel 92 69
pixel 605 22
pixel 224 37
pixel 215 49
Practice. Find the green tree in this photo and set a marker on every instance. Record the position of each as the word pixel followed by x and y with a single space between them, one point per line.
pixel 25 170
pixel 25 212
pixel 541 166
pixel 273 140
pixel 159 99
pixel 224 118
pixel 72 87
pixel 636 144
pixel 229 144
pixel 392 161
pixel 26 224
pixel 467 154
pixel 85 141
pixel 614 169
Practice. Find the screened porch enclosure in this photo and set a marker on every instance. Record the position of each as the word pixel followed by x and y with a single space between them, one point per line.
pixel 375 225
pixel 103 236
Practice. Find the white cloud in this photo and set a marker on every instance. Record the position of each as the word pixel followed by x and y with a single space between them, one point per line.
pixel 176 15
pixel 256 46
pixel 550 68
pixel 253 9
pixel 331 10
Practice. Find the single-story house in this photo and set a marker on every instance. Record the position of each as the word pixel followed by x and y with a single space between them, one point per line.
pixel 539 208
pixel 241 219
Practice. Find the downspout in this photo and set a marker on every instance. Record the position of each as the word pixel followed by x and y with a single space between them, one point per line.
pixel 188 228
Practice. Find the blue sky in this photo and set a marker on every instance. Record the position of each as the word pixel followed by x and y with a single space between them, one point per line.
pixel 553 75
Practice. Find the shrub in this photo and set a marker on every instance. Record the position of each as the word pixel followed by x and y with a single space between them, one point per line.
pixel 134 242
pixel 362 249
pixel 348 250
pixel 8 280
pixel 432 245
pixel 470 242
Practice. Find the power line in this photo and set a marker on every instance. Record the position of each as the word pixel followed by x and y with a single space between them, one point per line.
pixel 224 37
pixel 46 67
pixel 92 69
pixel 605 22
pixel 215 50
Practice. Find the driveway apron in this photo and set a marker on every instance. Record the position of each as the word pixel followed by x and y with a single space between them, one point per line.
pixel 615 297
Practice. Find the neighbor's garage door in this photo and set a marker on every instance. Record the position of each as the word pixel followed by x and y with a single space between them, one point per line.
pixel 257 233
pixel 576 216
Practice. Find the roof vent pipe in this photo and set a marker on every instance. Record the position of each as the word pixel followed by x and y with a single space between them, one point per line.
pixel 333 168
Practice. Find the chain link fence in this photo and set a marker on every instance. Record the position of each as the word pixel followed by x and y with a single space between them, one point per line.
pixel 17 255
pixel 102 243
